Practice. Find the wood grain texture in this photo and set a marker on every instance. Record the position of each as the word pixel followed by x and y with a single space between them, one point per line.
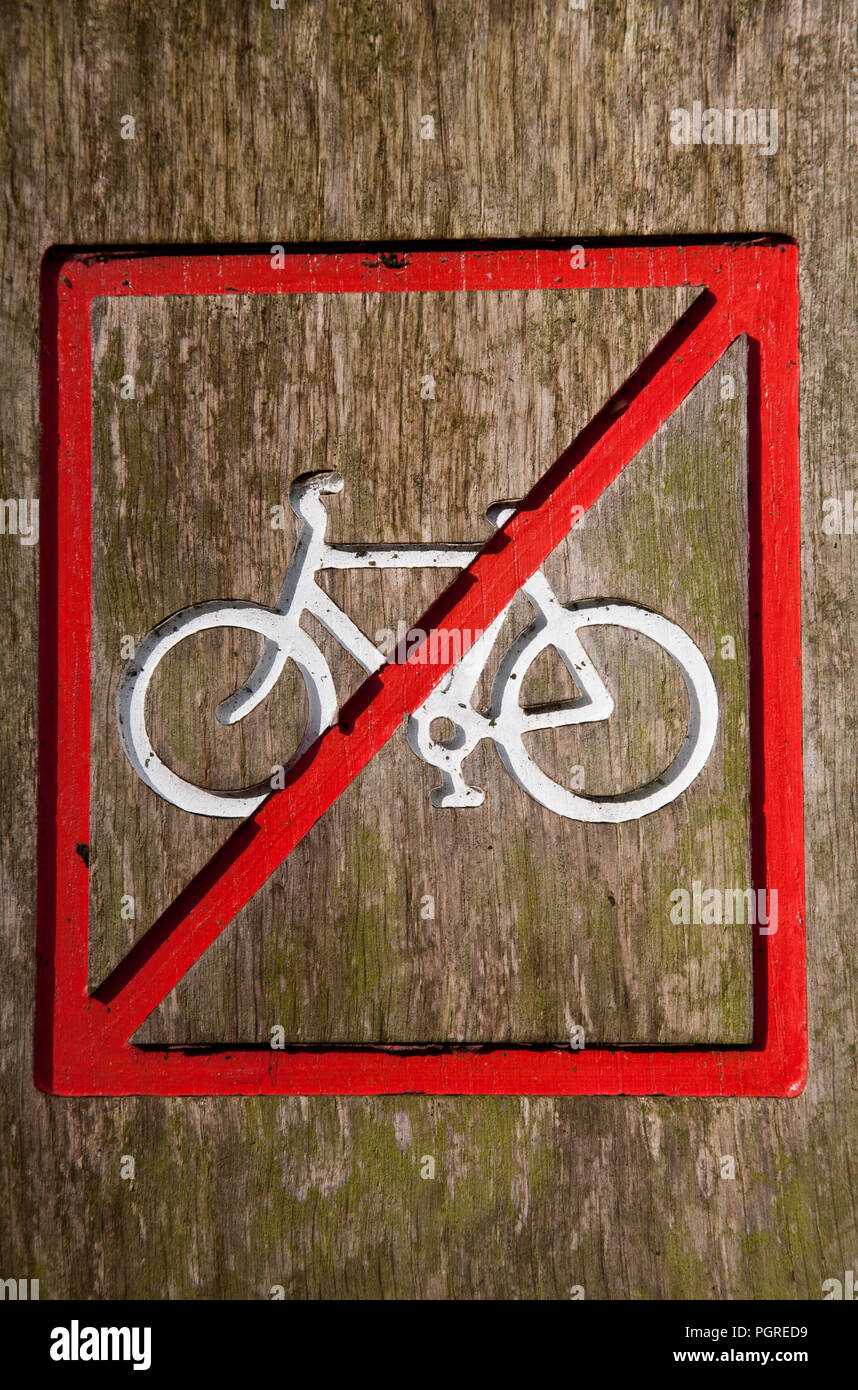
pixel 537 923
pixel 258 126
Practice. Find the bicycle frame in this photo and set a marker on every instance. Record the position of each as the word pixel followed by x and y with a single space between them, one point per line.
pixel 452 701
pixel 300 592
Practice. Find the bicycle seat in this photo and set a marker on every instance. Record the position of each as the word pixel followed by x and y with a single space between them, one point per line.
pixel 306 491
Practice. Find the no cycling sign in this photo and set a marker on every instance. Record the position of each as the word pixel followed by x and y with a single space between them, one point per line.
pixel 83 1047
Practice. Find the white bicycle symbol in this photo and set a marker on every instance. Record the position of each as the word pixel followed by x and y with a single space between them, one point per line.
pixel 504 723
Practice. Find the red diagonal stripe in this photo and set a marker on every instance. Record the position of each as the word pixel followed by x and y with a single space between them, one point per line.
pixel 582 472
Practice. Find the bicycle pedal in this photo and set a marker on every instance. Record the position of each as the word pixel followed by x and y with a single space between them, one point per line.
pixel 467 796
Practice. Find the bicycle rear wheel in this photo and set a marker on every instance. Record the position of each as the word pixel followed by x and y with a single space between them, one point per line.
pixel 137 675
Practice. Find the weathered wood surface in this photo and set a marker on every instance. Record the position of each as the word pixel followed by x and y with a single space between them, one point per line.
pixel 251 126
pixel 535 923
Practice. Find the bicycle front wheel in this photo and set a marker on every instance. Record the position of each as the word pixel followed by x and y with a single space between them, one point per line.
pixel 512 722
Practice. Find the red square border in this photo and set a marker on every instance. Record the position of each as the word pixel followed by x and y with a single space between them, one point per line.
pixel 82 1038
